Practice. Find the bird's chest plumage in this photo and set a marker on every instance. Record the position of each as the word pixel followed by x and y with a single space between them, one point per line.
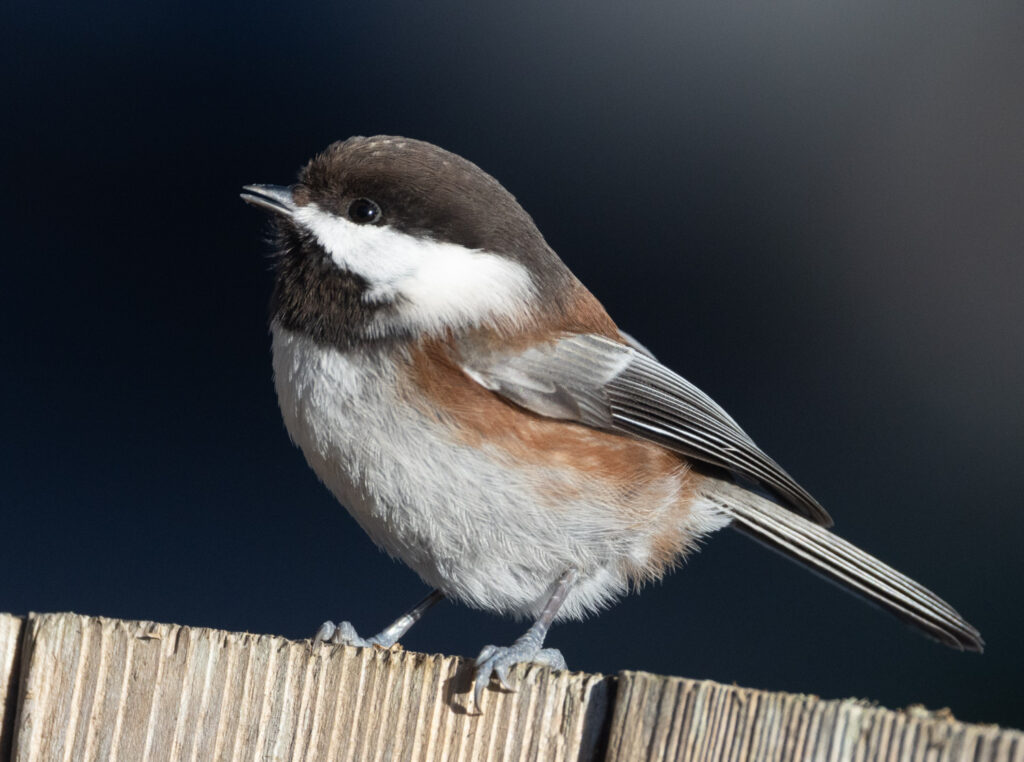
pixel 470 519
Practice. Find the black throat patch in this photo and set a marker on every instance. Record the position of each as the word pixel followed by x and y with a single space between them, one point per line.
pixel 314 297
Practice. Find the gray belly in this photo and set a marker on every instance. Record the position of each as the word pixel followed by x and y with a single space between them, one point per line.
pixel 467 521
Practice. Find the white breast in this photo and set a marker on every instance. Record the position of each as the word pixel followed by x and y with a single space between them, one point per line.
pixel 465 521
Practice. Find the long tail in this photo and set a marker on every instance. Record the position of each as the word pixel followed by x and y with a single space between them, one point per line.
pixel 833 557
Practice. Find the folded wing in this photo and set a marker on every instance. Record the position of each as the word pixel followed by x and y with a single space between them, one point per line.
pixel 611 386
pixel 598 382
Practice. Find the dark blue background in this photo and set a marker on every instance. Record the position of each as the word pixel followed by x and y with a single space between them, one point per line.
pixel 814 211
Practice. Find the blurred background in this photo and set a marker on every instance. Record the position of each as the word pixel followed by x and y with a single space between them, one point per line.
pixel 813 211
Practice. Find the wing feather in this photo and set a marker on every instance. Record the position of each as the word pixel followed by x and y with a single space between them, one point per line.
pixel 615 387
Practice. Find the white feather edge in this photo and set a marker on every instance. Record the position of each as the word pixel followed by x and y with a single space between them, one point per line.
pixel 841 562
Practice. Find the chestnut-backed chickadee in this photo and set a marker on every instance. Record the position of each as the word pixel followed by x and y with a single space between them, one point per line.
pixel 476 410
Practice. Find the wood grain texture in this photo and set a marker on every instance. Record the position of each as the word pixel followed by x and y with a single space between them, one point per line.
pixel 10 639
pixel 89 688
pixel 98 688
pixel 671 718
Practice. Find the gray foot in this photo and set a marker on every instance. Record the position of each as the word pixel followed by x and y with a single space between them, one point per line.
pixel 496 660
pixel 343 634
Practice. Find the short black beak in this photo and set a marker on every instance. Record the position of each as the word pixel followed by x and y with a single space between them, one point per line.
pixel 276 198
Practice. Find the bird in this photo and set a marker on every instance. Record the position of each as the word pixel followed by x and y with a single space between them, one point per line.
pixel 480 415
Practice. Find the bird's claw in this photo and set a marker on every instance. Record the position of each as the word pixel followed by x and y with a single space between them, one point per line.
pixel 496 661
pixel 341 634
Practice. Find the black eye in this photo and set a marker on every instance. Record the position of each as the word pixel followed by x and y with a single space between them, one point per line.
pixel 364 211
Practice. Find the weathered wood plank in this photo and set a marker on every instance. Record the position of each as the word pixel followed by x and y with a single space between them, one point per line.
pixel 672 718
pixel 97 688
pixel 10 638
pixel 93 688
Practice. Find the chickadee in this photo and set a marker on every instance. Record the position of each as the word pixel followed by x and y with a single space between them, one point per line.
pixel 479 414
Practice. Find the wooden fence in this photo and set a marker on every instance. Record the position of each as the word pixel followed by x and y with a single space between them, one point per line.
pixel 83 688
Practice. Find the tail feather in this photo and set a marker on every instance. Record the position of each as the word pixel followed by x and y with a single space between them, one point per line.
pixel 838 560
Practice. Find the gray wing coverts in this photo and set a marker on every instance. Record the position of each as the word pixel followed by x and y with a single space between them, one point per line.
pixel 611 386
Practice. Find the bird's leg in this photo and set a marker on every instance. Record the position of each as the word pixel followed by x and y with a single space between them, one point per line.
pixel 345 634
pixel 496 660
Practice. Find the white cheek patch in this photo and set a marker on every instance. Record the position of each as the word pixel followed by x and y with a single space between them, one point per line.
pixel 434 285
